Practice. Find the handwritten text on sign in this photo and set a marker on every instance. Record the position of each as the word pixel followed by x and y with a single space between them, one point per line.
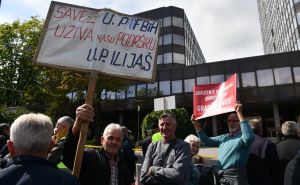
pixel 214 99
pixel 103 40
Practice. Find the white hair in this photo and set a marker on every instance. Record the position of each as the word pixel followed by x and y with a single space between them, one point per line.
pixel 192 138
pixel 289 128
pixel 31 133
pixel 112 126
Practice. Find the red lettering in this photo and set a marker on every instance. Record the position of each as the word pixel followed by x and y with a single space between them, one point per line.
pixel 60 11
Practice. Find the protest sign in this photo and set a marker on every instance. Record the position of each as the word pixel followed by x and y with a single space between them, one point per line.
pixel 102 40
pixel 213 99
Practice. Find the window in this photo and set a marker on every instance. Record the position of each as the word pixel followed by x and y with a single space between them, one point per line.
pixel 248 79
pixel 297 74
pixel 176 86
pixel 159 59
pixel 141 90
pixel 178 58
pixel 110 95
pixel 265 77
pixel 177 21
pixel 164 87
pixel 131 91
pixel 167 58
pixel 189 84
pixel 237 79
pixel 167 21
pixel 203 80
pixel 160 41
pixel 120 95
pixel 152 89
pixel 215 79
pixel 103 94
pixel 283 75
pixel 167 39
pixel 178 39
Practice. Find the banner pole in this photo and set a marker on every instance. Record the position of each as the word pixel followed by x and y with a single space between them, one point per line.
pixel 84 127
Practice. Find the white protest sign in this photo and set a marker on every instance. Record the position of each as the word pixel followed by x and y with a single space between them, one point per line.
pixel 101 40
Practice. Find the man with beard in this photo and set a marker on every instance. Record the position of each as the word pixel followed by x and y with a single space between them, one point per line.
pixel 234 147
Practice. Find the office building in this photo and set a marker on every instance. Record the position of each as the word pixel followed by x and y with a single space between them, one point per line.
pixel 268 86
pixel 280 24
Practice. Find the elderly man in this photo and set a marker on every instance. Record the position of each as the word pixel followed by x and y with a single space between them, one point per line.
pixel 29 144
pixel 263 162
pixel 61 129
pixel 167 161
pixel 99 166
pixel 234 147
pixel 290 145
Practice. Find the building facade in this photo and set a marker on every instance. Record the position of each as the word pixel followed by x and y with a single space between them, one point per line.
pixel 268 86
pixel 280 25
pixel 177 42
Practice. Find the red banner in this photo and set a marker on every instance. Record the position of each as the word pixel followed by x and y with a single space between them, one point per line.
pixel 214 99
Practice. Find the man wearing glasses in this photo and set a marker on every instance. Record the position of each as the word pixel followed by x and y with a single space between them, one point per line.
pixel 234 147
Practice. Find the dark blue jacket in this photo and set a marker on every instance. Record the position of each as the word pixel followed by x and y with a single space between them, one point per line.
pixel 30 170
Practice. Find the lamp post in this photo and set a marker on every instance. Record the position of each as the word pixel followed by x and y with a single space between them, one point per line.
pixel 138 122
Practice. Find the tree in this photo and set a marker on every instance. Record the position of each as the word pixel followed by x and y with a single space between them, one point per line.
pixel 38 88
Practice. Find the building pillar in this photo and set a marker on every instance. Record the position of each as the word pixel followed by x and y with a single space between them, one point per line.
pixel 214 125
pixel 121 118
pixel 276 115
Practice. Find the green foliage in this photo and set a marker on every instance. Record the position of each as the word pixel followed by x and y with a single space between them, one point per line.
pixel 184 124
pixel 39 88
pixel 8 115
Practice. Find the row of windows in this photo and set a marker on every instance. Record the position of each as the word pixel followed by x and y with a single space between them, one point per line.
pixel 281 19
pixel 260 78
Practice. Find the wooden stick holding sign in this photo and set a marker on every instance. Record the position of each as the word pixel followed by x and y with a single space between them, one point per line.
pixel 84 127
pixel 101 40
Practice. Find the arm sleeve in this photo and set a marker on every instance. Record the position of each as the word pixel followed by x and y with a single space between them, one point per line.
pixel 210 141
pixel 69 149
pixel 175 173
pixel 247 134
pixel 145 177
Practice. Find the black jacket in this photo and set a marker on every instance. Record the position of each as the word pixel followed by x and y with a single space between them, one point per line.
pixel 95 167
pixel 30 170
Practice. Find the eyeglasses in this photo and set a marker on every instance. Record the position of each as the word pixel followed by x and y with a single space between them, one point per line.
pixel 233 120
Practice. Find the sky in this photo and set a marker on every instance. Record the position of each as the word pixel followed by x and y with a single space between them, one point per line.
pixel 225 29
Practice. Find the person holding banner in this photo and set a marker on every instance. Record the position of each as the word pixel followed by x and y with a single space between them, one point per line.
pixel 234 147
pixel 167 161
pixel 99 165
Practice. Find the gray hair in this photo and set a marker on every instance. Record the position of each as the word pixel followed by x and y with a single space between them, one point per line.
pixel 31 133
pixel 112 126
pixel 66 119
pixel 192 138
pixel 289 128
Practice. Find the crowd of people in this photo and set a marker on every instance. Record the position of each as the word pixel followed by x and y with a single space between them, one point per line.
pixel 35 152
